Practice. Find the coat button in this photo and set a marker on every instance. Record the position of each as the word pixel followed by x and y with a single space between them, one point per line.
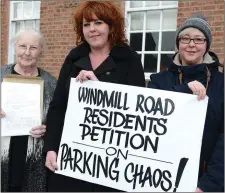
pixel 108 73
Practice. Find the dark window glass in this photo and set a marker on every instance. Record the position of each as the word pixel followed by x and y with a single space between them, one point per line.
pixel 150 62
pixel 139 55
pixel 168 41
pixel 136 41
pixel 151 42
pixel 166 59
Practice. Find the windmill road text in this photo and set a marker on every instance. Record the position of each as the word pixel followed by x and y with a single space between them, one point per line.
pixel 114 127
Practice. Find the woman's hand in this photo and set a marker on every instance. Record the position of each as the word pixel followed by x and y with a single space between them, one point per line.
pixel 86 75
pixel 197 89
pixel 35 132
pixel 50 162
pixel 38 131
pixel 2 113
pixel 198 190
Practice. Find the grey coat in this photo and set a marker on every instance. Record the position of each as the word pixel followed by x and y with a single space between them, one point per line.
pixel 35 172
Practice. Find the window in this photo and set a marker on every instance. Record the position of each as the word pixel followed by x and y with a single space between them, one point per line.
pixel 151 28
pixel 22 14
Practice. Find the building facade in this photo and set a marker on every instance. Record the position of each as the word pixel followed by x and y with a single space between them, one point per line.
pixel 150 28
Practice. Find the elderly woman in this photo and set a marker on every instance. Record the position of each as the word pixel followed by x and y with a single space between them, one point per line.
pixel 102 54
pixel 22 166
pixel 194 70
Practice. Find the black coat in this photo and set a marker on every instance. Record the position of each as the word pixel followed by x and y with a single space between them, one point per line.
pixel 123 66
pixel 211 159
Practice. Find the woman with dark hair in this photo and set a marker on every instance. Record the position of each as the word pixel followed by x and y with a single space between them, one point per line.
pixel 101 55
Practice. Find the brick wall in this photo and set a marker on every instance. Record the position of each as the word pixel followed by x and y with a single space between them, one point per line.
pixel 4 31
pixel 57 28
pixel 214 13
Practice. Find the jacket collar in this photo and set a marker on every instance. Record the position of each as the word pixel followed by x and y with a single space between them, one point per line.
pixel 107 65
pixel 207 59
pixel 173 66
pixel 85 64
pixel 123 51
pixel 80 56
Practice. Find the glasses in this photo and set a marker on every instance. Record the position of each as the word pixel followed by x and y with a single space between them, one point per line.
pixel 185 40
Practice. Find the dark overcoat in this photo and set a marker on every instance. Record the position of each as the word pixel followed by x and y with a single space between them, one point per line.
pixel 211 158
pixel 123 66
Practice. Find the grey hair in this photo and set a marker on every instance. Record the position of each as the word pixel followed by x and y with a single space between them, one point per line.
pixel 189 30
pixel 32 31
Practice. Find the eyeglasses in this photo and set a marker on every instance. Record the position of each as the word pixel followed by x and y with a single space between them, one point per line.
pixel 186 40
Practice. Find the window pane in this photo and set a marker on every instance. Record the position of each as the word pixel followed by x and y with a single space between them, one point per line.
pixel 137 19
pixel 27 9
pixel 17 10
pixel 169 19
pixel 166 59
pixel 151 42
pixel 136 41
pixel 14 58
pixel 29 23
pixel 169 2
pixel 18 26
pixel 134 4
pixel 168 41
pixel 153 20
pixel 139 55
pixel 150 63
pixel 151 3
pixel 37 25
pixel 37 5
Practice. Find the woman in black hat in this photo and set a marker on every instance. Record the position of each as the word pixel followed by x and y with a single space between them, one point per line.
pixel 194 70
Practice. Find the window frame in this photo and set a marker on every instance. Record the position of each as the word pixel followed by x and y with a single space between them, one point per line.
pixel 160 8
pixel 12 27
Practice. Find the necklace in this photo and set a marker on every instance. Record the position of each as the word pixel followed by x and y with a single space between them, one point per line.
pixel 207 80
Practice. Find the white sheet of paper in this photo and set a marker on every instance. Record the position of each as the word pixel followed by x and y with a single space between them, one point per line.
pixel 21 103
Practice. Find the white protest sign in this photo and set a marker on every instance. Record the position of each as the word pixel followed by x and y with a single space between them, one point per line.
pixel 131 138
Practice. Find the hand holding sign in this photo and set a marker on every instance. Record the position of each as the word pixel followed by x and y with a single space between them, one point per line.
pixel 50 162
pixel 198 190
pixel 197 89
pixel 86 75
pixel 2 113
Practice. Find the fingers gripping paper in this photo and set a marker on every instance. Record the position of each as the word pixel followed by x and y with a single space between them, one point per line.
pixel 131 138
